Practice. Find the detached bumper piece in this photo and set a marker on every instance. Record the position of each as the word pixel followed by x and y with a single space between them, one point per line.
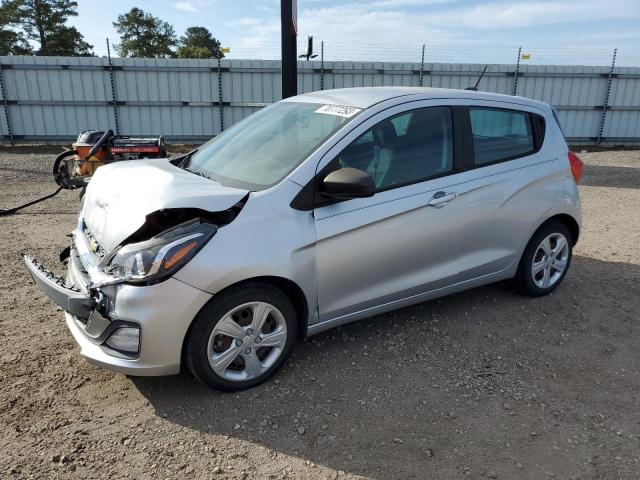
pixel 118 338
pixel 68 297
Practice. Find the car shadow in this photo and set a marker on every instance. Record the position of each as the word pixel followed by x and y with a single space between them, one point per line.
pixel 423 391
pixel 608 176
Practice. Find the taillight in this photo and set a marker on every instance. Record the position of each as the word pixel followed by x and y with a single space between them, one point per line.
pixel 576 166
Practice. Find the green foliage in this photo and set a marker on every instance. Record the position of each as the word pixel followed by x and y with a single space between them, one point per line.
pixel 198 42
pixel 68 41
pixel 12 42
pixel 45 22
pixel 143 35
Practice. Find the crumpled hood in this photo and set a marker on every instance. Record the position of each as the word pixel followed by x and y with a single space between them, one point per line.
pixel 122 194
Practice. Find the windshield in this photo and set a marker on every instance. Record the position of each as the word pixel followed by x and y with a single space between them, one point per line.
pixel 261 150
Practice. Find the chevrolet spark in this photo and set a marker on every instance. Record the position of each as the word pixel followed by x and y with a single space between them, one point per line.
pixel 319 210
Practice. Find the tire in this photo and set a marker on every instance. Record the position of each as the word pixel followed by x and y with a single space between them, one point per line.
pixel 233 312
pixel 534 282
pixel 60 174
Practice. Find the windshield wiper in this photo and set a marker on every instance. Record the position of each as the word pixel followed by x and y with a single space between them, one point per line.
pixel 201 174
pixel 185 158
pixel 184 161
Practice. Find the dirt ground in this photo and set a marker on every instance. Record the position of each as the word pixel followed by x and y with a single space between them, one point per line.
pixel 482 384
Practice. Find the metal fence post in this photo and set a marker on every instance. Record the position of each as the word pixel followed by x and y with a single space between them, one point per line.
pixel 515 74
pixel 322 65
pixel 113 90
pixel 220 103
pixel 606 97
pixel 6 108
pixel 422 66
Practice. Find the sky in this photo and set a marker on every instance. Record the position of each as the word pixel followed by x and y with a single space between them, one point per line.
pixel 474 31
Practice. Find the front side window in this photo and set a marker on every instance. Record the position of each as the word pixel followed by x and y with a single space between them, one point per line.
pixel 500 134
pixel 407 148
pixel 261 150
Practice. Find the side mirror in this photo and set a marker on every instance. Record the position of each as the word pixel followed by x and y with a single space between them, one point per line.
pixel 348 183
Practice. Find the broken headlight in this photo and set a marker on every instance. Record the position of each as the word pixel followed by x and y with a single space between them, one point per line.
pixel 155 259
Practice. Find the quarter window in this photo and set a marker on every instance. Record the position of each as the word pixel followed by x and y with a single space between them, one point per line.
pixel 403 149
pixel 500 134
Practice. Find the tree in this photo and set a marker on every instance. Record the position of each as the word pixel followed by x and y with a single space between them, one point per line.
pixel 11 42
pixel 198 42
pixel 143 35
pixel 68 41
pixel 45 22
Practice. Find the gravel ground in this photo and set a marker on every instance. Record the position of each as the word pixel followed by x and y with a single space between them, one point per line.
pixel 482 384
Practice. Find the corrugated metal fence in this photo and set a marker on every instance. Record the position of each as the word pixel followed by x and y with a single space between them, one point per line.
pixel 51 99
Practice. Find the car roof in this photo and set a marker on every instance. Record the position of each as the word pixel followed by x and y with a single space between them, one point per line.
pixel 365 97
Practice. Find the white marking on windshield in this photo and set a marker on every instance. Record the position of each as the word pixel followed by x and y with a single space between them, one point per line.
pixel 339 110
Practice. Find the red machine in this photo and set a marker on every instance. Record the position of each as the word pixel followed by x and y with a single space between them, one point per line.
pixel 92 149
pixel 74 168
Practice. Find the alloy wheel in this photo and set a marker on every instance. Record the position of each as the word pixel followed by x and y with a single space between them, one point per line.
pixel 550 260
pixel 247 341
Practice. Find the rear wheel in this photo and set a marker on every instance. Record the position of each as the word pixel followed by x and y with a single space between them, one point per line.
pixel 545 260
pixel 242 337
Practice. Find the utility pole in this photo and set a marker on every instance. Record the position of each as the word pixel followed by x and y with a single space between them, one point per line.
pixel 515 74
pixel 113 90
pixel 289 32
pixel 322 65
pixel 422 66
pixel 603 118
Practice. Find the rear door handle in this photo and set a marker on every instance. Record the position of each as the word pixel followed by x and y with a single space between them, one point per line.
pixel 440 199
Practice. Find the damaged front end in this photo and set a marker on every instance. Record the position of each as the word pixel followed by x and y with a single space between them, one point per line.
pixel 91 295
pixel 89 305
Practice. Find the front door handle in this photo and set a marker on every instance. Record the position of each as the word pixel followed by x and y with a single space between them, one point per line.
pixel 440 199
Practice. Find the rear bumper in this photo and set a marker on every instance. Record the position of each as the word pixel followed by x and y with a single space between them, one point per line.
pixel 162 312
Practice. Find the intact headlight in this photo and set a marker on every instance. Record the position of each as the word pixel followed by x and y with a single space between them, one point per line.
pixel 155 259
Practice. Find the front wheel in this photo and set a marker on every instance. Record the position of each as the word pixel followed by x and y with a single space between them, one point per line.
pixel 242 337
pixel 545 260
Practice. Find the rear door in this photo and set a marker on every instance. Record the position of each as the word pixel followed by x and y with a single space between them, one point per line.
pixel 512 184
pixel 405 240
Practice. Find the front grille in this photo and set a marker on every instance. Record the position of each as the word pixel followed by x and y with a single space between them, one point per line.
pixel 77 272
pixel 94 245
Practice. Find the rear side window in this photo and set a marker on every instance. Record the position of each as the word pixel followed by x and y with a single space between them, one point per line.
pixel 500 134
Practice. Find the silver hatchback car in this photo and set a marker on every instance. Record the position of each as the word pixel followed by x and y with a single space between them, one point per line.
pixel 314 212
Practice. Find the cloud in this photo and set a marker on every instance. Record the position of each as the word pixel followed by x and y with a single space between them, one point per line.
pixel 348 27
pixel 186 7
pixel 357 27
pixel 191 6
pixel 510 15
pixel 245 22
pixel 396 29
pixel 406 3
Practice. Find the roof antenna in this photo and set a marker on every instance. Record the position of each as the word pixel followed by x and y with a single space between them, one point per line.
pixel 475 87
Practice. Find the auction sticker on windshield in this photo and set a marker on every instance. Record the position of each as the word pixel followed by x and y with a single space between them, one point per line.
pixel 339 110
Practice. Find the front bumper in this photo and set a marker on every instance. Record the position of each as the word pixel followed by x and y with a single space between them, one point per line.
pixel 68 297
pixel 162 313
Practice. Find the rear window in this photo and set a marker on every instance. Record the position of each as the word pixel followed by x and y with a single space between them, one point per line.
pixel 500 134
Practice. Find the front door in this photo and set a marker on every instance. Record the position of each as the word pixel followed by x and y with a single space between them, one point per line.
pixel 405 240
